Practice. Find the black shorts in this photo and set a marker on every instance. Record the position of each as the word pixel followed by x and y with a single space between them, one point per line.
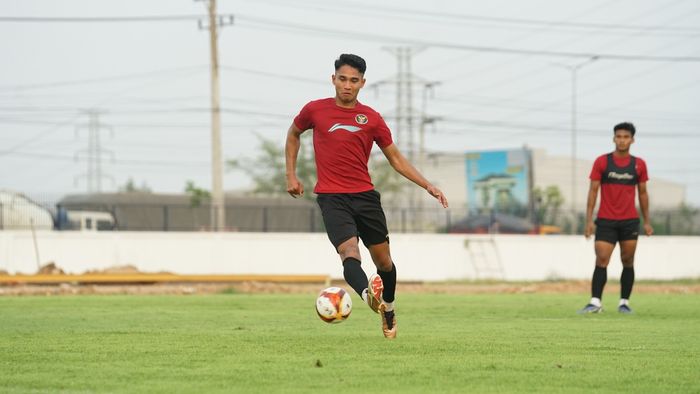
pixel 613 231
pixel 348 215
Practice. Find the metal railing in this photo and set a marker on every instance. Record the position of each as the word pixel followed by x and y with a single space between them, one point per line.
pixel 273 218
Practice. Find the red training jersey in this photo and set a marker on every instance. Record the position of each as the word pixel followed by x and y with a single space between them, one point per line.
pixel 617 187
pixel 343 139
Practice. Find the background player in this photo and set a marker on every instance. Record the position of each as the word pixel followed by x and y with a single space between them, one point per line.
pixel 618 175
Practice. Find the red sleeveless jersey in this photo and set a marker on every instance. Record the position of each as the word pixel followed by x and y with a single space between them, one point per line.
pixel 343 139
pixel 618 185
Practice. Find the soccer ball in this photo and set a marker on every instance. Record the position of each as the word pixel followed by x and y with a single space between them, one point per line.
pixel 333 305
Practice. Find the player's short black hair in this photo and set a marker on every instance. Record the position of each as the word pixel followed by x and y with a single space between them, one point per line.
pixel 625 126
pixel 353 61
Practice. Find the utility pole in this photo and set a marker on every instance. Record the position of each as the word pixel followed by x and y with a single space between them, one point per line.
pixel 404 98
pixel 574 179
pixel 94 152
pixel 408 52
pixel 400 105
pixel 406 114
pixel 428 87
pixel 218 203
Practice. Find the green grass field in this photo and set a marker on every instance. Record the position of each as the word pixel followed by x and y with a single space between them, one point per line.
pixel 275 343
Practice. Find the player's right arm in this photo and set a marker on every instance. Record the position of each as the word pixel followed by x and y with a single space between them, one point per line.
pixel 291 149
pixel 590 206
pixel 644 205
pixel 405 168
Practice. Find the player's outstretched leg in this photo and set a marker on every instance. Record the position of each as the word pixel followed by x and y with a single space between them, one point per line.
pixel 386 272
pixel 355 276
pixel 388 322
pixel 387 309
pixel 374 292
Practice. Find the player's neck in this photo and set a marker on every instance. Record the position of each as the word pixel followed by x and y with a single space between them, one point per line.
pixel 343 104
pixel 621 154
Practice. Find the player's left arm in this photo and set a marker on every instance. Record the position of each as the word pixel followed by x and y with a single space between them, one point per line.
pixel 405 168
pixel 644 206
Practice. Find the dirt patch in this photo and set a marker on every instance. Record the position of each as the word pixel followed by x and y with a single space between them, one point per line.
pixel 117 269
pixel 257 287
pixel 564 287
pixel 50 269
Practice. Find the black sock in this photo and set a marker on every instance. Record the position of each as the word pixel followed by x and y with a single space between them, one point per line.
pixel 389 317
pixel 389 279
pixel 354 275
pixel 600 276
pixel 626 282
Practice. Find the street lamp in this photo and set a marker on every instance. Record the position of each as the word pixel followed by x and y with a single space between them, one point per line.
pixel 574 70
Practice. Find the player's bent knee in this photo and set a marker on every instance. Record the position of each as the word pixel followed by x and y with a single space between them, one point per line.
pixel 383 263
pixel 602 263
pixel 349 249
pixel 354 253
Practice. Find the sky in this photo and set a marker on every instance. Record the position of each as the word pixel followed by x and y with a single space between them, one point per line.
pixel 501 72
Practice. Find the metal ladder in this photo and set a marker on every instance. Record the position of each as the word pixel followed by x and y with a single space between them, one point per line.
pixel 485 258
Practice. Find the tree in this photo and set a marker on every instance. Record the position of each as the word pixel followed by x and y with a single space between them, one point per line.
pixel 547 204
pixel 130 187
pixel 197 195
pixel 680 221
pixel 385 179
pixel 687 217
pixel 268 169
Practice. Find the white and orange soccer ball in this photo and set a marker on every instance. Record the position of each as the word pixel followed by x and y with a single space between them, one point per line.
pixel 333 305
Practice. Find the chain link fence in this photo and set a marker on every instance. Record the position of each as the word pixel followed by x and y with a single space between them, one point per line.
pixel 304 216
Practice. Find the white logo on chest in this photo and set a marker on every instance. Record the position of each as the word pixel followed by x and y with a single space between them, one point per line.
pixel 340 126
pixel 617 175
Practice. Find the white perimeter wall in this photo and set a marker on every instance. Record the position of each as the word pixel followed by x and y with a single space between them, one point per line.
pixel 419 257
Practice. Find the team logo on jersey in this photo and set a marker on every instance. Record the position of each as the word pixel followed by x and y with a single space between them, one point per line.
pixel 340 126
pixel 616 175
pixel 361 119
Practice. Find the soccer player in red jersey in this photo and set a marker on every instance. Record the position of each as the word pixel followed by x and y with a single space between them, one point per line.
pixel 618 175
pixel 344 131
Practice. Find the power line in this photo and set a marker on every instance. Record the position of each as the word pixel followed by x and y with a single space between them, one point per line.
pixel 276 75
pixel 490 68
pixel 550 129
pixel 270 24
pixel 173 126
pixel 101 19
pixel 547 107
pixel 101 79
pixel 374 9
pixel 175 163
pixel 38 136
pixel 516 39
pixel 392 12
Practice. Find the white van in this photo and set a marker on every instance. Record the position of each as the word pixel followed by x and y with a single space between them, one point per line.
pixel 90 220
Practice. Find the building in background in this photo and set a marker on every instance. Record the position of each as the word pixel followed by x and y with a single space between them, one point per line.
pixel 504 182
pixel 495 191
pixel 450 172
pixel 19 212
pixel 556 170
pixel 498 181
pixel 179 212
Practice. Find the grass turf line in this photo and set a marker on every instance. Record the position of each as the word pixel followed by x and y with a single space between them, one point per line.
pixel 276 343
